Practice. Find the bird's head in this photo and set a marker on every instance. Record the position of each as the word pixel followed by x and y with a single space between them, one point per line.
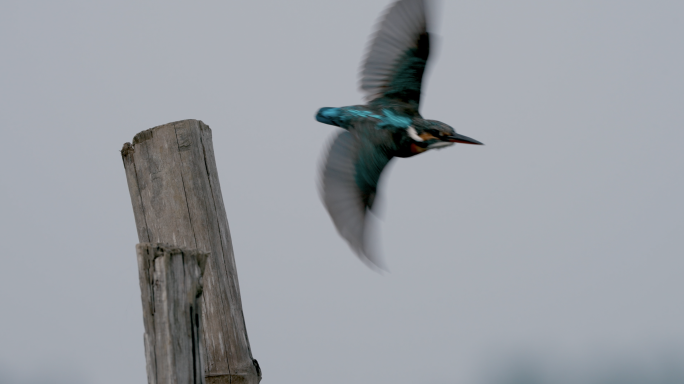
pixel 432 134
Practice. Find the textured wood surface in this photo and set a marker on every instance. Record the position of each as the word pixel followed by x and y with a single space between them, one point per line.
pixel 171 291
pixel 176 198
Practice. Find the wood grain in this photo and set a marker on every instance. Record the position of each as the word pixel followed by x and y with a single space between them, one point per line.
pixel 176 197
pixel 171 291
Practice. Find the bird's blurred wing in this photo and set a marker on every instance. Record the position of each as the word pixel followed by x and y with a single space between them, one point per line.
pixel 397 54
pixel 349 179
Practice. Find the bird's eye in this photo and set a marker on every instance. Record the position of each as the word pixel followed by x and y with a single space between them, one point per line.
pixel 437 134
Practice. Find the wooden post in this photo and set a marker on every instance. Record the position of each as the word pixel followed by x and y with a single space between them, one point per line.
pixel 176 197
pixel 171 290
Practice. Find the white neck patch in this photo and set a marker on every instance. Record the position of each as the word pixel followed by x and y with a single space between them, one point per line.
pixel 413 134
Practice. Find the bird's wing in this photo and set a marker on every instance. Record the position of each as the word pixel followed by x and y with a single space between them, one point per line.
pixel 349 179
pixel 397 54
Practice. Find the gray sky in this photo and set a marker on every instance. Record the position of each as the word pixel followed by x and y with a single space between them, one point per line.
pixel 558 245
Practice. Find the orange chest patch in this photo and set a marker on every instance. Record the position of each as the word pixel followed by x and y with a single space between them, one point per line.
pixel 416 149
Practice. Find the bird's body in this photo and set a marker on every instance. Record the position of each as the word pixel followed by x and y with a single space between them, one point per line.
pixel 388 126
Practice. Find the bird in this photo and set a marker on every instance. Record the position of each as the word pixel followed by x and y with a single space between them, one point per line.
pixel 388 126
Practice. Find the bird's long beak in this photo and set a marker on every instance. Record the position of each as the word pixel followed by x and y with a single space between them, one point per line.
pixel 456 138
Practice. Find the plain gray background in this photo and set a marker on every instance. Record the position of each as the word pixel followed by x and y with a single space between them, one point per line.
pixel 553 253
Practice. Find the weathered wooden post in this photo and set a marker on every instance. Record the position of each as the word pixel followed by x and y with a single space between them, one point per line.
pixel 176 197
pixel 171 290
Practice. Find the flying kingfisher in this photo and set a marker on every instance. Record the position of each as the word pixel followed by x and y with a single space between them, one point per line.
pixel 388 126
